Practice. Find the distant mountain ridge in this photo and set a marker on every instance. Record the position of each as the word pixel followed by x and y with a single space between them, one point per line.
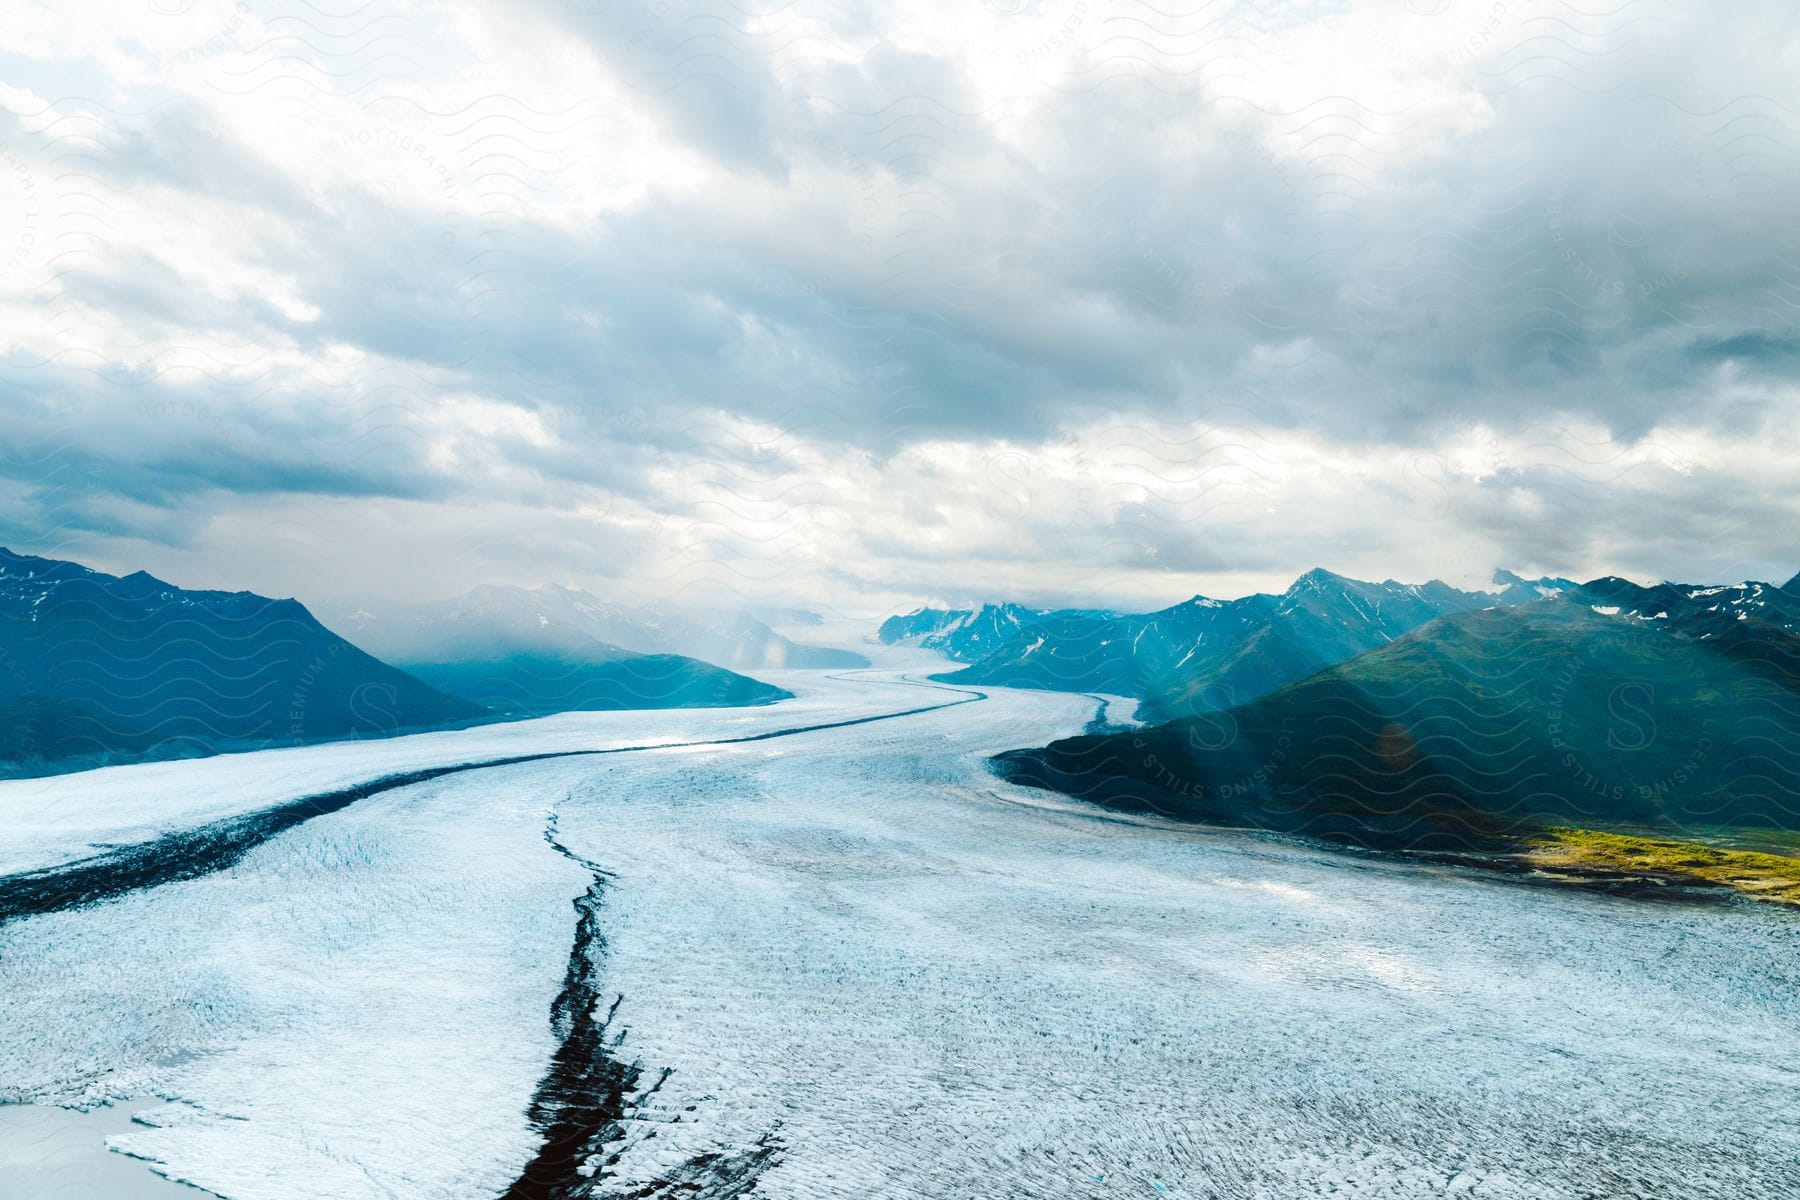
pixel 526 682
pixel 1662 601
pixel 1203 654
pixel 736 641
pixel 526 652
pixel 968 635
pixel 95 667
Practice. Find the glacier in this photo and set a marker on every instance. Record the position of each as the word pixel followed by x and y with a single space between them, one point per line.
pixel 850 962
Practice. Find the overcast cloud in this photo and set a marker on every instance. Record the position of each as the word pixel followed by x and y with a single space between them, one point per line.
pixel 855 305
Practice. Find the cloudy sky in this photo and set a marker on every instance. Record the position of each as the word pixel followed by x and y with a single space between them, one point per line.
pixel 856 304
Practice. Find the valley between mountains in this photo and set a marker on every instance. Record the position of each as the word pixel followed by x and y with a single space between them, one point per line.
pixel 849 961
pixel 1220 901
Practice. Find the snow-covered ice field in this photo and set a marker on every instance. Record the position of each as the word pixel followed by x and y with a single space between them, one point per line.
pixel 855 959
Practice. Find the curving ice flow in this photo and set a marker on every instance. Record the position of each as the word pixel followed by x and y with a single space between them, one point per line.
pixel 854 964
pixel 61 818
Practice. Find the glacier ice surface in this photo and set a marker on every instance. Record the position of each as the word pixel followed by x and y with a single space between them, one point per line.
pixel 921 981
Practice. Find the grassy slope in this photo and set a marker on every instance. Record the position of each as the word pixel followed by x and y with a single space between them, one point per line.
pixel 1762 876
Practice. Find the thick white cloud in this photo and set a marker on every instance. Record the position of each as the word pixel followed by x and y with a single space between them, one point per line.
pixel 855 304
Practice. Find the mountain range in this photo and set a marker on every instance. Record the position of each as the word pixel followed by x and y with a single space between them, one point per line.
pixel 96 666
pixel 968 635
pixel 1204 655
pixel 1384 713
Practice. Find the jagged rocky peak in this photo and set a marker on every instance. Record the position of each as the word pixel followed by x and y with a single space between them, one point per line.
pixel 1318 577
pixel 1516 589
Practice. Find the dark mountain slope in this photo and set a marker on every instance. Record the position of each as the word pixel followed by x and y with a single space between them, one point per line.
pixel 530 682
pixel 1477 727
pixel 94 667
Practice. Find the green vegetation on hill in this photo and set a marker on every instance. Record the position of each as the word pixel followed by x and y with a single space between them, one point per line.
pixel 1774 877
pixel 1478 730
